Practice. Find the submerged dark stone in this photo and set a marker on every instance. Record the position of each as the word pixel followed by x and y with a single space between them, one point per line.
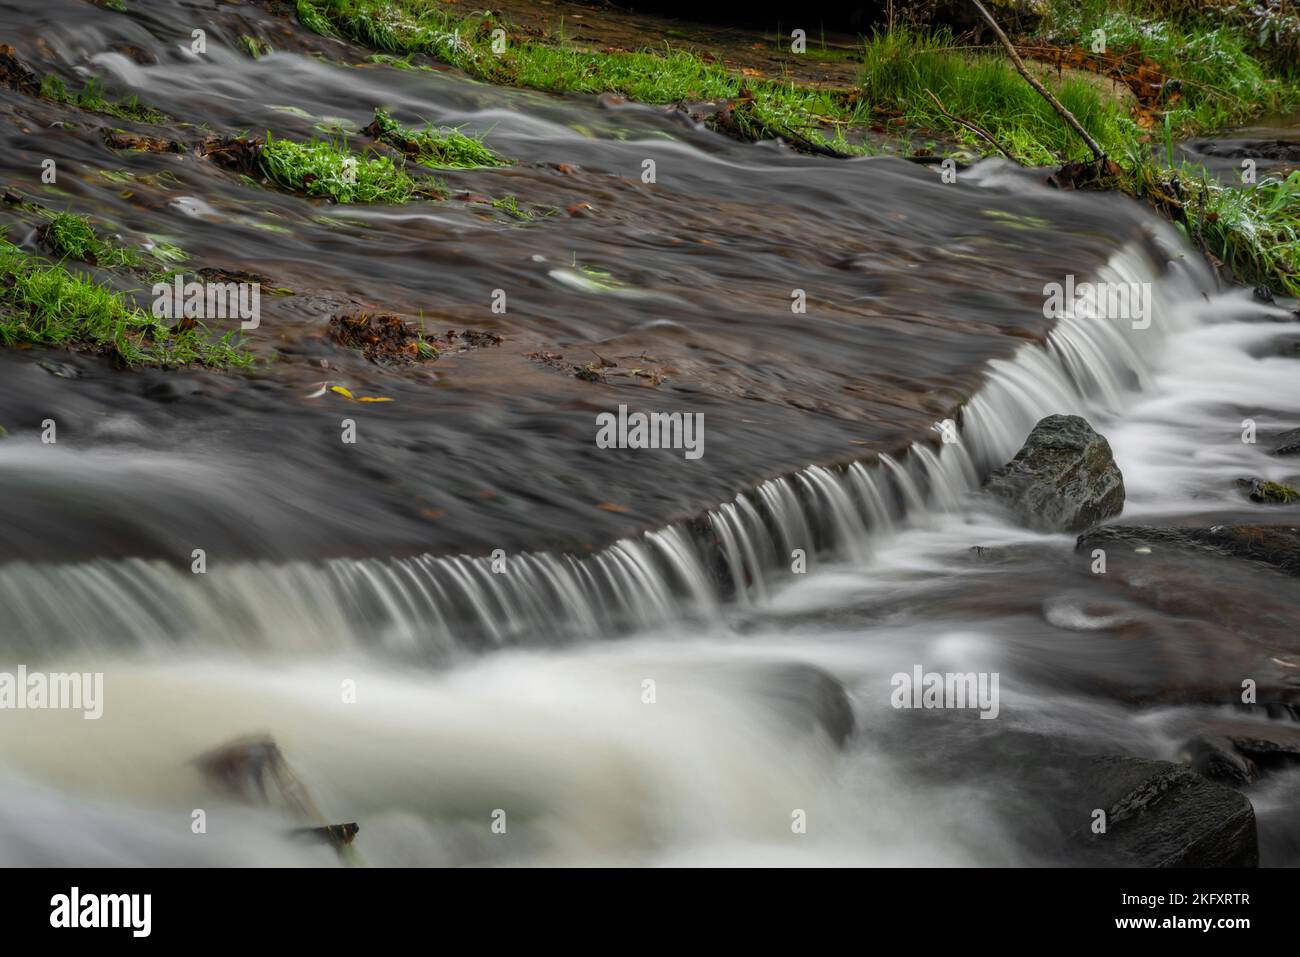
pixel 1287 443
pixel 1276 545
pixel 1064 478
pixel 810 699
pixel 1285 150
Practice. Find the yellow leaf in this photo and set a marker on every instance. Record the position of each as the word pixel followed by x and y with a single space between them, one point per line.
pixel 347 394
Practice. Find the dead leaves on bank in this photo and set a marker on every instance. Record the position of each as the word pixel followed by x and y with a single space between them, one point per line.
pixel 1155 91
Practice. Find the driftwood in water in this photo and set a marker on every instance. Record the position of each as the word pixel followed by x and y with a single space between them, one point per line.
pixel 254 769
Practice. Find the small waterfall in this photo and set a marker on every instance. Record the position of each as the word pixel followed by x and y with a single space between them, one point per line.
pixel 437 606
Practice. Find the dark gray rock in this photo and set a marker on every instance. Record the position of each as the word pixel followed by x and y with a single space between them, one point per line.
pixel 1275 746
pixel 1288 443
pixel 1217 759
pixel 1163 815
pixel 1276 545
pixel 1158 814
pixel 1064 478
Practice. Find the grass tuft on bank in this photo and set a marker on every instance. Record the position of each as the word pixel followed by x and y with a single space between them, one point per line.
pixel 901 69
pixel 46 305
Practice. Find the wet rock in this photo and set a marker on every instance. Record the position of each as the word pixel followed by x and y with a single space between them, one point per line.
pixel 1288 443
pixel 1282 150
pixel 1268 493
pixel 809 698
pixel 162 390
pixel 1288 347
pixel 61 370
pixel 1272 747
pixel 1216 759
pixel 1064 478
pixel 1240 753
pixel 1276 545
pixel 1159 814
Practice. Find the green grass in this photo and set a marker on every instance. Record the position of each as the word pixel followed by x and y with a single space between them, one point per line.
pixel 665 76
pixel 91 97
pixel 46 305
pixel 1254 230
pixel 985 89
pixel 437 148
pixel 73 237
pixel 325 168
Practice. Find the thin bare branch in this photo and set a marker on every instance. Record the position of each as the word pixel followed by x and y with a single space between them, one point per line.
pixel 1098 153
pixel 973 127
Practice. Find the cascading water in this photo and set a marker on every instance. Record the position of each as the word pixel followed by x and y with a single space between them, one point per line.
pixel 431 604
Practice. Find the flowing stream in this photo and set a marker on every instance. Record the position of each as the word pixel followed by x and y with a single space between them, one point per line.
pixel 518 683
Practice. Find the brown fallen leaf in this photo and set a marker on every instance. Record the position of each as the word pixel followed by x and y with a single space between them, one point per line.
pixel 611 507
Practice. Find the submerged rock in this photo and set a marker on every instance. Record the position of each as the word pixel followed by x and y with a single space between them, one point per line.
pixel 1287 443
pixel 1239 753
pixel 1064 478
pixel 1276 545
pixel 809 699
